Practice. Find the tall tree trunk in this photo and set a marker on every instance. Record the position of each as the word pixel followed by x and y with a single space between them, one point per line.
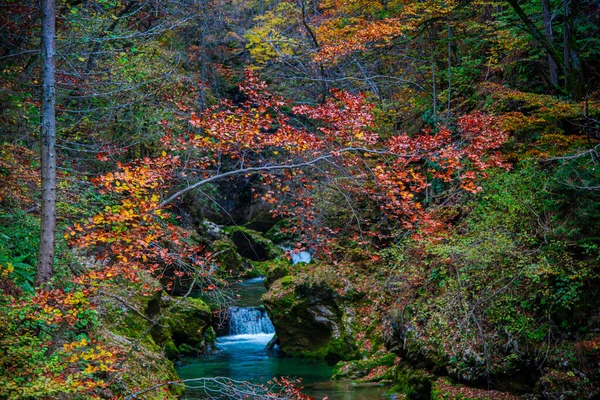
pixel 550 37
pixel 567 32
pixel 47 146
pixel 573 81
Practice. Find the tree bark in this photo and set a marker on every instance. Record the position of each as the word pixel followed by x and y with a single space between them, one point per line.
pixel 45 265
pixel 550 37
pixel 573 81
pixel 530 27
pixel 569 64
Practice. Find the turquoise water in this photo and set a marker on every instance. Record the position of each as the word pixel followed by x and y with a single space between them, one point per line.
pixel 244 358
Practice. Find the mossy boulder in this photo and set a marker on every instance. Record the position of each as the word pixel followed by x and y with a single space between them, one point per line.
pixel 280 233
pixel 276 269
pixel 308 320
pixel 125 323
pixel 252 245
pixel 413 384
pixel 190 322
pixel 567 385
pixel 262 221
pixel 227 257
pixel 375 368
pixel 241 251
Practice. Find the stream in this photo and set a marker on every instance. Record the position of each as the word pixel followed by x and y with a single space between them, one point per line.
pixel 241 354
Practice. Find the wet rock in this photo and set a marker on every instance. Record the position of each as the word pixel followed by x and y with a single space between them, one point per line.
pixel 190 322
pixel 308 320
pixel 252 245
pixel 272 343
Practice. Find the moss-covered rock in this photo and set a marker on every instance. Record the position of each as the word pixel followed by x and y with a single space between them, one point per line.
pixel 308 320
pixel 190 320
pixel 276 269
pixel 369 368
pixel 262 221
pixel 413 384
pixel 125 323
pixel 280 233
pixel 567 385
pixel 240 251
pixel 227 257
pixel 252 245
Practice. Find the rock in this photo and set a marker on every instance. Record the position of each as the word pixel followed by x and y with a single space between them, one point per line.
pixel 252 245
pixel 210 229
pixel 566 385
pixel 231 201
pixel 308 320
pixel 357 369
pixel 280 233
pixel 420 351
pixel 190 322
pixel 226 255
pixel 275 269
pixel 125 318
pixel 243 252
pixel 272 343
pixel 262 221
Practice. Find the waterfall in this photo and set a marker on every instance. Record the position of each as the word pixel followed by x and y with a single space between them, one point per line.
pixel 302 257
pixel 249 321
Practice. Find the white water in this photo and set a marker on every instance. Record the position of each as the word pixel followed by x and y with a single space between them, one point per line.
pixel 243 357
pixel 260 339
pixel 249 321
pixel 302 257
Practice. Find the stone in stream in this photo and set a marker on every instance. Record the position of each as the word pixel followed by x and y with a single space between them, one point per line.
pixel 272 343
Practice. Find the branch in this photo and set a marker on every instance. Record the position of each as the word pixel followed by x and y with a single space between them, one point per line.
pixel 276 167
pixel 245 171
pixel 537 34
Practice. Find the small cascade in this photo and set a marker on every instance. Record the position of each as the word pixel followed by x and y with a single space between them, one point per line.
pixel 302 257
pixel 249 321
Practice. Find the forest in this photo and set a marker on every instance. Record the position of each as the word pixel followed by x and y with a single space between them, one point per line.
pixel 300 199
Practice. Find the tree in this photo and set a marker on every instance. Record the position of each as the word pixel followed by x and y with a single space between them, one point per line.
pixel 569 64
pixel 47 145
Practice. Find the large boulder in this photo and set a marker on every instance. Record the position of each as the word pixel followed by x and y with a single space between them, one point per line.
pixel 124 322
pixel 190 322
pixel 310 320
pixel 252 245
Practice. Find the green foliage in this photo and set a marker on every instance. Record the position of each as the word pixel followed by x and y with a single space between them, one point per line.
pixel 19 237
pixel 520 268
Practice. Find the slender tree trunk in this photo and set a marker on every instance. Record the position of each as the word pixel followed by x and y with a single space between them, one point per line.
pixel 434 88
pixel 433 77
pixel 550 37
pixel 573 80
pixel 531 27
pixel 566 56
pixel 47 146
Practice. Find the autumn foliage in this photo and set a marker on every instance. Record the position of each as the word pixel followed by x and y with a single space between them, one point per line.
pixel 266 135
